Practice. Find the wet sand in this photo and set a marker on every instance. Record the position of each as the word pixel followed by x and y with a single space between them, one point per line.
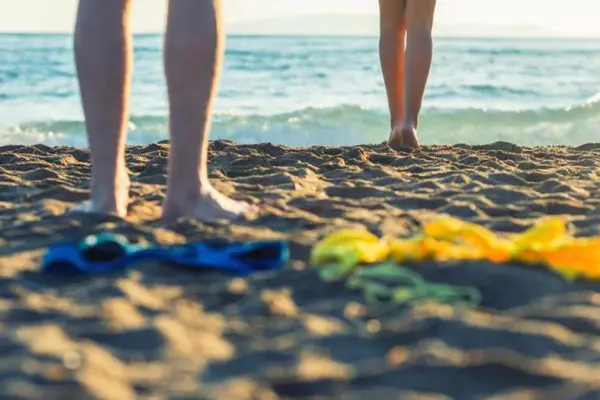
pixel 159 332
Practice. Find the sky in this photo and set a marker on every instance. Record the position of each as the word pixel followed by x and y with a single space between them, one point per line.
pixel 574 17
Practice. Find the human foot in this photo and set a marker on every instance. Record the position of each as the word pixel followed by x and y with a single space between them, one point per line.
pixel 108 199
pixel 206 205
pixel 404 136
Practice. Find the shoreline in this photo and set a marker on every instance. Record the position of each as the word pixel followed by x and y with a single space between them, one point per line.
pixel 159 331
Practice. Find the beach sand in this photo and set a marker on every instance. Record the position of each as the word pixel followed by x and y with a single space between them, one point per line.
pixel 159 332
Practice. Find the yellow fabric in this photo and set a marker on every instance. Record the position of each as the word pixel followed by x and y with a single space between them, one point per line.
pixel 450 239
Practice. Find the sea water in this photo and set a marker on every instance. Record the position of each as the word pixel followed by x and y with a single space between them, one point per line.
pixel 322 90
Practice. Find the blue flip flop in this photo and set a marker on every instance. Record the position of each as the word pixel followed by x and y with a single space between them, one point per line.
pixel 107 253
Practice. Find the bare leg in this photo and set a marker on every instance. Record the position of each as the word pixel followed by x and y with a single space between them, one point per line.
pixel 103 57
pixel 419 50
pixel 391 54
pixel 193 56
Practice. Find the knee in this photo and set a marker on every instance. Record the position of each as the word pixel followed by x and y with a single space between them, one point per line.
pixel 418 25
pixel 113 5
pixel 100 11
pixel 386 27
pixel 419 31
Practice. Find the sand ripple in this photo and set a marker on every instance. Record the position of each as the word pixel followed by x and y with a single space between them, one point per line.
pixel 155 332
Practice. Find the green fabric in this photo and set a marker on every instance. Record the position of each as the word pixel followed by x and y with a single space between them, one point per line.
pixel 389 285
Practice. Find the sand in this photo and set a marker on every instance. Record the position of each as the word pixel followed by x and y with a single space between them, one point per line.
pixel 158 332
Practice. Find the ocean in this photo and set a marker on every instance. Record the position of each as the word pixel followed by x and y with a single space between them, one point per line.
pixel 323 91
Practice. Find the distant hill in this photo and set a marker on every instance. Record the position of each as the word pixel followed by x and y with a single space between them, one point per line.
pixel 470 30
pixel 367 25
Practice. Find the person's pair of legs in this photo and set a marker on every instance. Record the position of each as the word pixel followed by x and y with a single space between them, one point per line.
pixel 405 49
pixel 192 61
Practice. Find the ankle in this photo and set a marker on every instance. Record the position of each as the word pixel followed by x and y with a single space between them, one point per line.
pixel 409 123
pixel 187 190
pixel 110 183
pixel 109 190
pixel 397 124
